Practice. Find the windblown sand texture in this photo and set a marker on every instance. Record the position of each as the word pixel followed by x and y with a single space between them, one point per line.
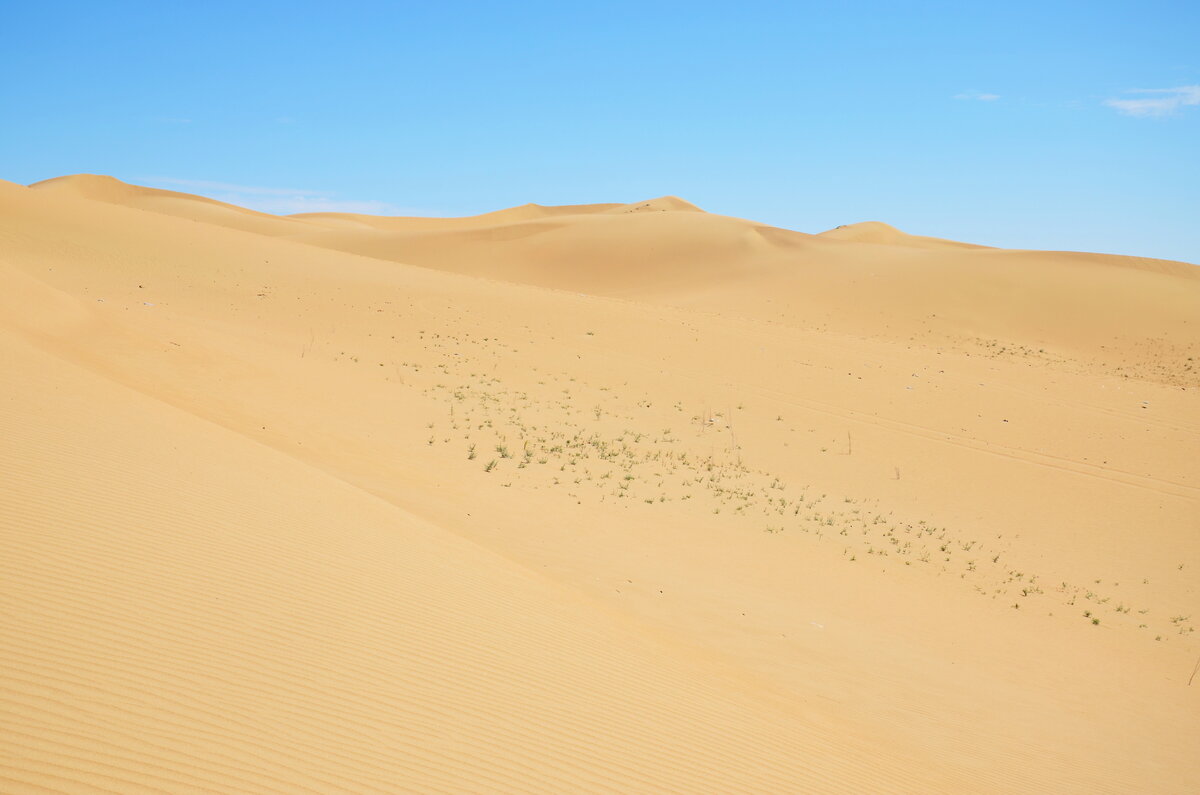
pixel 625 498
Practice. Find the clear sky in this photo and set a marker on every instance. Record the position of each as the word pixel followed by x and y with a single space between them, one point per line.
pixel 1062 125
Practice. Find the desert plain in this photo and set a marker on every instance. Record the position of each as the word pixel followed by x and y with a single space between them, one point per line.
pixel 605 498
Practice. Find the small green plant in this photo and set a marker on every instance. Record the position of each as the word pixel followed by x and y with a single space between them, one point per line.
pixel 490 465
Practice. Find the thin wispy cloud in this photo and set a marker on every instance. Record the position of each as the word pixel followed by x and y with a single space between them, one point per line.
pixel 977 96
pixel 1156 101
pixel 278 201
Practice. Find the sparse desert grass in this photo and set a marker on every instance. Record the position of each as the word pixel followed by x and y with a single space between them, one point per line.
pixel 694 471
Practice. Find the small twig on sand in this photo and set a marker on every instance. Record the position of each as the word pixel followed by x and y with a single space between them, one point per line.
pixel 733 438
pixel 1194 670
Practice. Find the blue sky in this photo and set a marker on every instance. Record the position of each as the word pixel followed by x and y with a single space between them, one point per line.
pixel 1062 125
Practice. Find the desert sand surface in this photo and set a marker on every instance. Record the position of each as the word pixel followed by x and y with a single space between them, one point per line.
pixel 611 497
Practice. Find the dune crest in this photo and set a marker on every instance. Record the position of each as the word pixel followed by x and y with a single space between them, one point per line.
pixel 525 212
pixel 168 202
pixel 882 234
pixel 662 204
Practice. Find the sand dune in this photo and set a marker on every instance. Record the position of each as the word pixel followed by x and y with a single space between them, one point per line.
pixel 186 608
pixel 865 278
pixel 183 205
pixel 883 234
pixel 860 278
pixel 526 212
pixel 603 498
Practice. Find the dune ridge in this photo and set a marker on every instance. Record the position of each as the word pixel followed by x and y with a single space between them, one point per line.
pixel 587 499
pixel 110 190
pixel 883 234
pixel 861 279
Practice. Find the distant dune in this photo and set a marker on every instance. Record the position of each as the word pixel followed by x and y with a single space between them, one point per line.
pixel 882 234
pixel 167 202
pixel 609 497
pixel 526 212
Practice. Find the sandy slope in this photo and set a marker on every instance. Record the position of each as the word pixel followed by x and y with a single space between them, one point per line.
pixel 757 519
pixel 883 234
pixel 183 205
